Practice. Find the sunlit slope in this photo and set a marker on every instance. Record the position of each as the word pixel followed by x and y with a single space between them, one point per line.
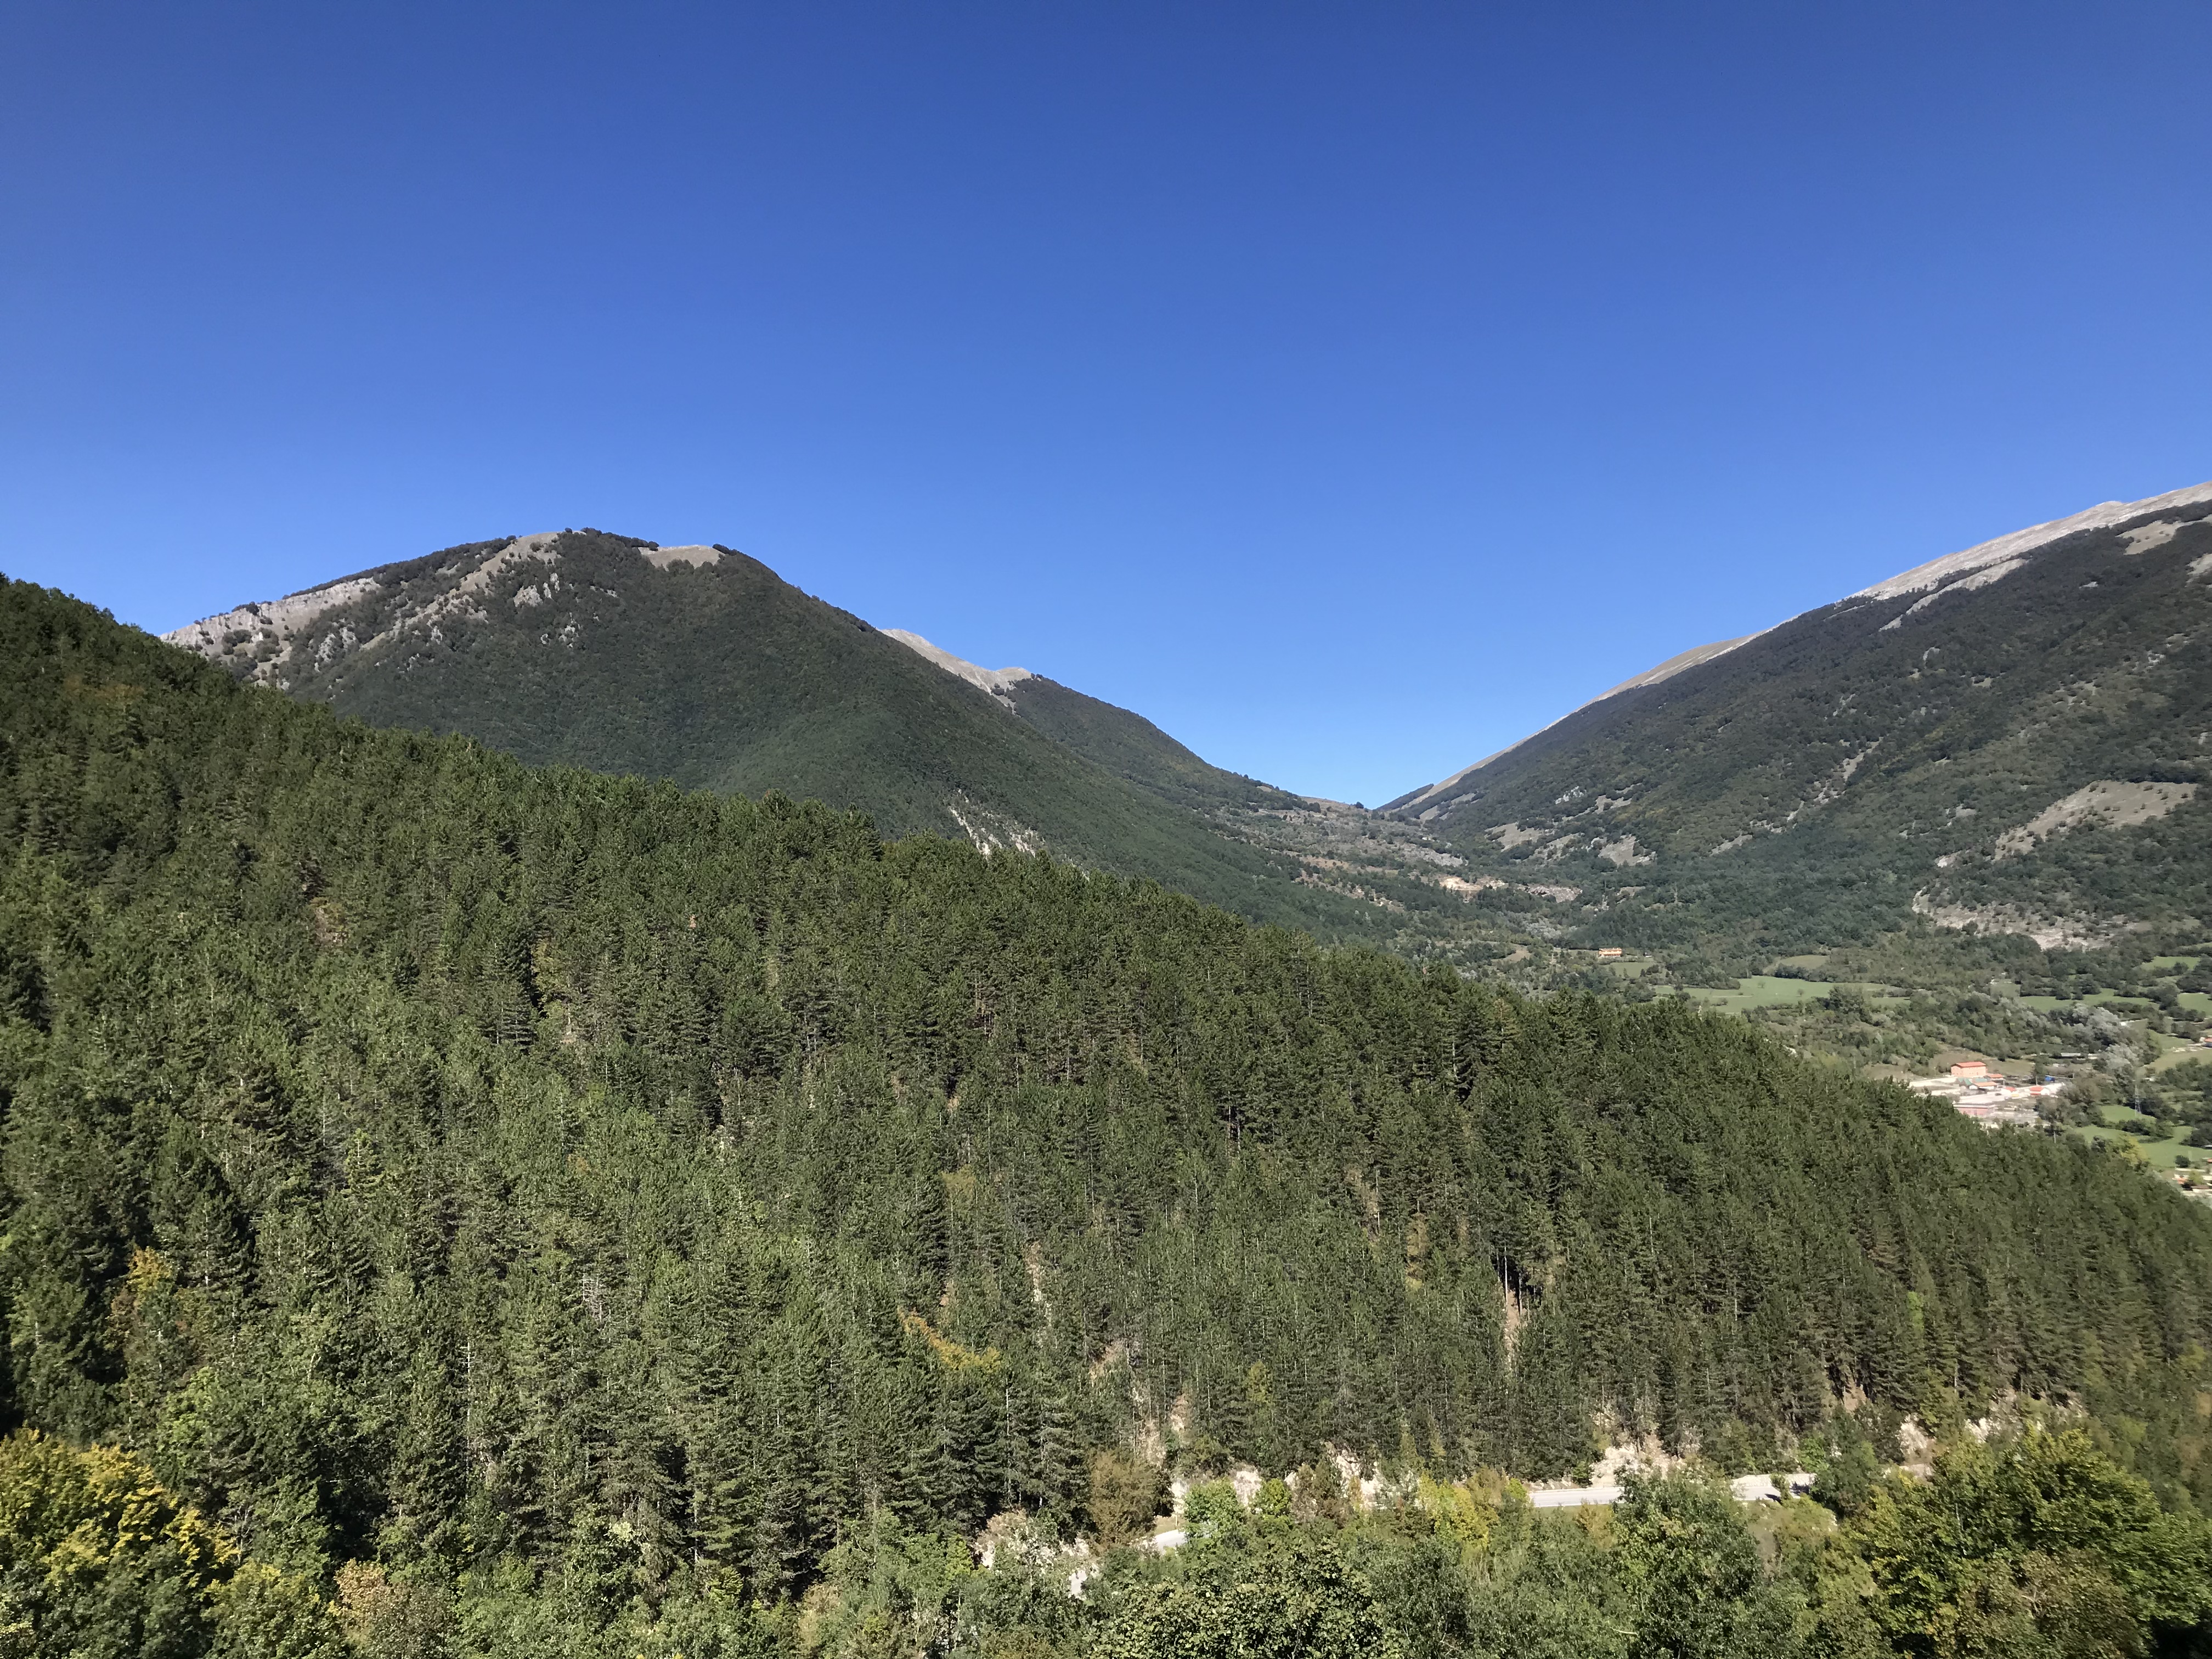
pixel 1130 746
pixel 2013 738
pixel 703 667
pixel 712 1164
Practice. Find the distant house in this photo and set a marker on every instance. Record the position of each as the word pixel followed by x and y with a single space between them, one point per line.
pixel 1970 1070
pixel 1608 952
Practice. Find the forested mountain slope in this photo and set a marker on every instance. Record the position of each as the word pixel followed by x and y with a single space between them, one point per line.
pixel 2013 738
pixel 1122 743
pixel 701 665
pixel 1130 746
pixel 411 1153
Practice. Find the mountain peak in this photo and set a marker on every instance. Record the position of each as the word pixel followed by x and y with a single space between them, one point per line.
pixel 701 665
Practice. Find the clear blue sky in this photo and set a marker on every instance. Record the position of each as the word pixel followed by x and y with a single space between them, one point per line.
pixel 1350 388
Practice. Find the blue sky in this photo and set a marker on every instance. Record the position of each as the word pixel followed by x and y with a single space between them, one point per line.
pixel 1349 388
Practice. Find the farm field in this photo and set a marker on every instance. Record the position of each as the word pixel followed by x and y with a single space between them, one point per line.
pixel 2164 1153
pixel 1773 991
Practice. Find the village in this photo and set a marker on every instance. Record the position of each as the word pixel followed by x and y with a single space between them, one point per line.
pixel 1989 1096
pixel 1993 1099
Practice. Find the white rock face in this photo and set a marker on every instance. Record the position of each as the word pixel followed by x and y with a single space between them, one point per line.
pixel 465 596
pixel 1622 853
pixel 1947 570
pixel 990 832
pixel 2145 537
pixel 996 681
pixel 2108 801
pixel 666 558
pixel 280 620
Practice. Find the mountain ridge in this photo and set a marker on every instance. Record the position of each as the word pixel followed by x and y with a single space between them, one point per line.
pixel 1859 767
pixel 1785 816
pixel 1696 656
pixel 1951 568
pixel 700 664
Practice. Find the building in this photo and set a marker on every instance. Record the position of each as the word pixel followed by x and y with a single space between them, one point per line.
pixel 1970 1071
pixel 1609 953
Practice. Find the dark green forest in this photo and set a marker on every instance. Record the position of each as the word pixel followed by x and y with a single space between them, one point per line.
pixel 726 677
pixel 520 1209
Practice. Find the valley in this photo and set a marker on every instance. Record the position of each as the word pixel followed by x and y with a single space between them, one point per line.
pixel 811 1068
pixel 501 1142
pixel 1688 816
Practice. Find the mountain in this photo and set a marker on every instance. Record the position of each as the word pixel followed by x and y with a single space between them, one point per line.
pixel 1126 744
pixel 1842 790
pixel 2008 741
pixel 533 1211
pixel 700 664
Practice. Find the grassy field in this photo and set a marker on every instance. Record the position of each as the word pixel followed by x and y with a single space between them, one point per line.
pixel 1767 990
pixel 2098 999
pixel 2160 1149
pixel 2173 1050
pixel 2197 1004
pixel 1627 968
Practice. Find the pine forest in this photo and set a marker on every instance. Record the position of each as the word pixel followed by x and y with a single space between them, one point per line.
pixel 456 1207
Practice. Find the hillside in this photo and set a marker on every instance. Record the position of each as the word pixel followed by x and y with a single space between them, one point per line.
pixel 1126 744
pixel 2006 742
pixel 1782 788
pixel 515 1172
pixel 701 665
